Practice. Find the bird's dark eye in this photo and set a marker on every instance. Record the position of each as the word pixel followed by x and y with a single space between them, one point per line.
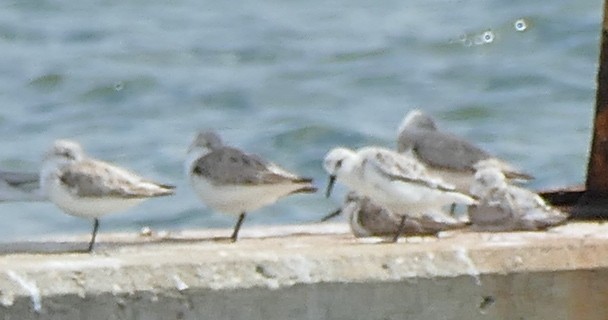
pixel 68 155
pixel 338 164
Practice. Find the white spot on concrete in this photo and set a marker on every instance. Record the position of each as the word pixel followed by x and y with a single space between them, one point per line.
pixel 179 283
pixel 301 267
pixel 296 245
pixel 80 265
pixel 7 299
pixel 30 287
pixel 414 239
pixel 369 240
pixel 272 284
pixel 518 260
pixel 463 255
pixel 116 289
pixel 428 264
pixel 444 234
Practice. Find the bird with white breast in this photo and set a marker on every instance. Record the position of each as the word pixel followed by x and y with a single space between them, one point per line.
pixel 505 207
pixel 234 182
pixel 85 187
pixel 398 182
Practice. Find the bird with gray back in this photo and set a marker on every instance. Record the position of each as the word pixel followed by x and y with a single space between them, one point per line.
pixel 85 187
pixel 234 182
pixel 504 207
pixel 451 157
pixel 398 182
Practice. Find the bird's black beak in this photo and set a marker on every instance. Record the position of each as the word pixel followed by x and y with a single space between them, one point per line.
pixel 331 215
pixel 330 185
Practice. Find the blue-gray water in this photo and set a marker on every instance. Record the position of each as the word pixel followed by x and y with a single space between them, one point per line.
pixel 134 80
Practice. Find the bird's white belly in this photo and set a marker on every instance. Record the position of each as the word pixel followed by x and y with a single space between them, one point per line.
pixel 236 199
pixel 404 198
pixel 87 207
pixel 401 192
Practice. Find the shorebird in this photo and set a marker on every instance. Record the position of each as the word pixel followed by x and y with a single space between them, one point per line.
pixel 20 186
pixel 234 182
pixel 397 182
pixel 367 219
pixel 85 187
pixel 504 207
pixel 450 157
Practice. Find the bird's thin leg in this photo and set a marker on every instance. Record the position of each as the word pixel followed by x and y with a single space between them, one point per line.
pixel 237 227
pixel 400 230
pixel 453 209
pixel 95 228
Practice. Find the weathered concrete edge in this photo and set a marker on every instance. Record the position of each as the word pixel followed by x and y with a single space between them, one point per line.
pixel 166 269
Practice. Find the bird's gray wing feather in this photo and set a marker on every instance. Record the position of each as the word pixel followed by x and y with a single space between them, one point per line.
pixel 95 179
pixel 443 150
pixel 231 166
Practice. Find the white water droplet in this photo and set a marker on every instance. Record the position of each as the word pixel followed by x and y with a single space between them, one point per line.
pixel 520 25
pixel 488 36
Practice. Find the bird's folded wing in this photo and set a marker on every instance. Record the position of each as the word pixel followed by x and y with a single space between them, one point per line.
pixel 229 166
pixel 95 179
pixel 446 151
pixel 406 169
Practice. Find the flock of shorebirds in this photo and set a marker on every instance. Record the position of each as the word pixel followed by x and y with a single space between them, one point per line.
pixel 414 189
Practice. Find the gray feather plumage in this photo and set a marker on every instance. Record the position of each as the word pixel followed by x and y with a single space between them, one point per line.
pixel 441 150
pixel 95 179
pixel 228 166
pixel 369 219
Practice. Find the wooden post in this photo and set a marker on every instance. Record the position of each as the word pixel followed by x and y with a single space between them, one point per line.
pixel 593 201
pixel 597 169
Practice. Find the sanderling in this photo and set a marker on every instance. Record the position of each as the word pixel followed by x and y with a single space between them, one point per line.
pixel 398 182
pixel 504 207
pixel 368 219
pixel 231 181
pixel 452 158
pixel 20 186
pixel 89 188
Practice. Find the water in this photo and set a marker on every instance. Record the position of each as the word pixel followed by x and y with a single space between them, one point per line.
pixel 134 80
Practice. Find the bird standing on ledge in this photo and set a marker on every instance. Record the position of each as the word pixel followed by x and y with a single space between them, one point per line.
pixel 231 181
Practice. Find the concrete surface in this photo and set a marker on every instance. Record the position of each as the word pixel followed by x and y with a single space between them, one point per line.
pixel 311 272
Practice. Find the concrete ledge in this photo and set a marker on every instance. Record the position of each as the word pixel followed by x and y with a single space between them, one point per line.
pixel 313 272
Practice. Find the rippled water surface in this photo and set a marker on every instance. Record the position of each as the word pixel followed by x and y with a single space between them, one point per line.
pixel 134 80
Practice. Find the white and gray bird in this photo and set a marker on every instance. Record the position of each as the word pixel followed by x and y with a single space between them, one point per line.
pixel 20 186
pixel 397 182
pixel 452 158
pixel 234 182
pixel 504 207
pixel 85 187
pixel 367 219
